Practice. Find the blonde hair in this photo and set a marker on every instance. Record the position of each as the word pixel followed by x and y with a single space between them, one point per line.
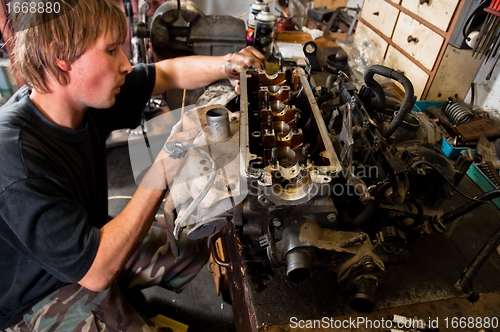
pixel 62 37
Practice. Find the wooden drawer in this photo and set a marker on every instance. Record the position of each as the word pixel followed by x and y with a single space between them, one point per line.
pixel 379 45
pixel 436 12
pixel 418 77
pixel 429 43
pixel 436 70
pixel 381 15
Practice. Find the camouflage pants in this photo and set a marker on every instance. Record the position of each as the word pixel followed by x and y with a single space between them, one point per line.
pixel 74 308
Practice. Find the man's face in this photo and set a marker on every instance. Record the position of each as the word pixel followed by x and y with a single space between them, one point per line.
pixel 96 76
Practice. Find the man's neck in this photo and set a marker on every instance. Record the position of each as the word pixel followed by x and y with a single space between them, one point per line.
pixel 58 108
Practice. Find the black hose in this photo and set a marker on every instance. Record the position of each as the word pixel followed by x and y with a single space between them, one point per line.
pixel 376 87
pixel 408 100
pixel 452 215
pixel 464 284
pixel 367 213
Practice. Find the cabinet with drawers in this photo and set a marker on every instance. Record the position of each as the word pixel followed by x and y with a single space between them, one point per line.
pixel 412 36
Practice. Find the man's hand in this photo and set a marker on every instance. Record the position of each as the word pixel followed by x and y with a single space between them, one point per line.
pixel 247 57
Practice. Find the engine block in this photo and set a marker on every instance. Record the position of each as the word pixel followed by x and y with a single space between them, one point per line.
pixel 342 188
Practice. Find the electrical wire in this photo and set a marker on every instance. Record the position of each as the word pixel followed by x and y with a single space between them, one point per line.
pixel 110 198
pixel 423 162
pixel 117 197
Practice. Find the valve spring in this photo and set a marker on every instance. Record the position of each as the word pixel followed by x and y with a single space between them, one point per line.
pixel 458 113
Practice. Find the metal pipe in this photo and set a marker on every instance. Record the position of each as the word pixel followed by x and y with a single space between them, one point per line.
pixel 364 295
pixel 298 264
pixel 218 129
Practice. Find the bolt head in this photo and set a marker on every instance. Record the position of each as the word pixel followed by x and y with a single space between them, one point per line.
pixel 368 266
pixel 331 217
pixel 276 222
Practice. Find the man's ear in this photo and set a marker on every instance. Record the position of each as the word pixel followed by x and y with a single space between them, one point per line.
pixel 63 65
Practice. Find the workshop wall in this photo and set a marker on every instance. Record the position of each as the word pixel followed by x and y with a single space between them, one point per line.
pixel 237 8
pixel 355 3
pixel 487 91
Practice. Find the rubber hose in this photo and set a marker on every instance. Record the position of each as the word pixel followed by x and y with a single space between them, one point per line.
pixel 452 215
pixel 367 213
pixel 408 100
pixel 375 86
pixel 465 281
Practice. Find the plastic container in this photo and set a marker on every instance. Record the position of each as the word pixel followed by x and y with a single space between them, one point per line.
pixel 451 151
pixel 422 105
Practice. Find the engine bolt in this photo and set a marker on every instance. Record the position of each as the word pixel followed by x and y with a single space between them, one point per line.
pixel 276 222
pixel 408 221
pixel 368 266
pixel 331 217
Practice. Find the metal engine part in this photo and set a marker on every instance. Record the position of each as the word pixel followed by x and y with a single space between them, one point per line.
pixel 342 189
pixel 208 184
pixel 335 189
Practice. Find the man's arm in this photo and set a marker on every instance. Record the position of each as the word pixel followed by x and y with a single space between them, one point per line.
pixel 197 71
pixel 121 236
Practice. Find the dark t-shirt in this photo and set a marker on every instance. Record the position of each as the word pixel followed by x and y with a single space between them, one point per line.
pixel 53 193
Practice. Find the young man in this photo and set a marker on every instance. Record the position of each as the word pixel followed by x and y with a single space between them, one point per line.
pixel 62 258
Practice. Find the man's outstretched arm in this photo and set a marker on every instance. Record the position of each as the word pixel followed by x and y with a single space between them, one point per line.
pixel 191 72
